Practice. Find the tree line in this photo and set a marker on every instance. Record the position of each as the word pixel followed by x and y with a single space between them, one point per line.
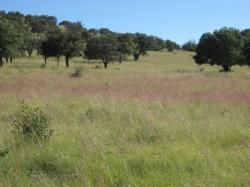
pixel 225 47
pixel 23 34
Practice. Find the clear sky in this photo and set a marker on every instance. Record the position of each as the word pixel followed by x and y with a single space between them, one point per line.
pixel 179 20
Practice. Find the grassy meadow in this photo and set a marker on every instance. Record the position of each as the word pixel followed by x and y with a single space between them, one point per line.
pixel 161 121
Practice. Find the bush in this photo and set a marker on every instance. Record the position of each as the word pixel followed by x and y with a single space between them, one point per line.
pixel 31 124
pixel 77 73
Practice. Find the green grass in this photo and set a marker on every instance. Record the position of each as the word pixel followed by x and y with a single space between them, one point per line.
pixel 156 122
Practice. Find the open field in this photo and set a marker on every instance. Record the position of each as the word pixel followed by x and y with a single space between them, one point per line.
pixel 162 121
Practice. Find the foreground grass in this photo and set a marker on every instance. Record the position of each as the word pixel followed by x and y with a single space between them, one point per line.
pixel 134 139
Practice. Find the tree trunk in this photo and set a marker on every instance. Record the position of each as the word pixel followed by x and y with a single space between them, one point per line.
pixel 57 61
pixel 67 62
pixel 11 59
pixel 136 57
pixel 22 52
pixel 7 59
pixel 1 61
pixel 120 59
pixel 30 53
pixel 45 61
pixel 226 67
pixel 105 62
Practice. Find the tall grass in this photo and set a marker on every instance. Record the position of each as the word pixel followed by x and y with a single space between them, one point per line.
pixel 105 140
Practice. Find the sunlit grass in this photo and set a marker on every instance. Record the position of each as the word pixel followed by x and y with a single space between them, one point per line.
pixel 139 124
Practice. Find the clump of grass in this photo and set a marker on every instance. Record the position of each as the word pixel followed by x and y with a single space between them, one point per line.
pixel 77 73
pixel 98 67
pixel 32 124
pixel 148 133
pixel 93 114
pixel 3 152
pixel 49 165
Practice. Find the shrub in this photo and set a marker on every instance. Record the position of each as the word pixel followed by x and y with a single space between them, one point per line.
pixel 31 124
pixel 77 73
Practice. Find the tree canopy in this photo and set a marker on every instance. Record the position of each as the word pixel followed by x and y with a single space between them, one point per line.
pixel 126 45
pixel 103 48
pixel 171 45
pixel 223 48
pixel 24 34
pixel 142 44
pixel 10 40
pixel 51 46
pixel 189 46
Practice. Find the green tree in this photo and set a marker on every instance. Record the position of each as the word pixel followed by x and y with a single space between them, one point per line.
pixel 171 45
pixel 93 32
pixel 206 49
pixel 105 31
pixel 142 45
pixel 246 47
pixel 155 43
pixel 32 42
pixel 189 46
pixel 102 47
pixel 51 46
pixel 92 48
pixel 10 40
pixel 19 22
pixel 223 48
pixel 126 45
pixel 41 24
pixel 72 43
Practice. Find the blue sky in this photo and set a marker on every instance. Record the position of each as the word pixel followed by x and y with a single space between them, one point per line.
pixel 170 19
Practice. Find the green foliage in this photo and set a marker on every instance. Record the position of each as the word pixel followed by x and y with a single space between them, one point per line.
pixel 142 43
pixel 126 45
pixel 32 42
pixel 246 52
pixel 206 49
pixel 19 34
pixel 92 48
pixel 156 43
pixel 102 47
pixel 10 39
pixel 105 31
pixel 246 47
pixel 71 44
pixel 72 26
pixel 223 48
pixel 171 45
pixel 4 152
pixel 29 41
pixel 189 46
pixel 40 24
pixel 51 46
pixel 31 124
pixel 69 39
